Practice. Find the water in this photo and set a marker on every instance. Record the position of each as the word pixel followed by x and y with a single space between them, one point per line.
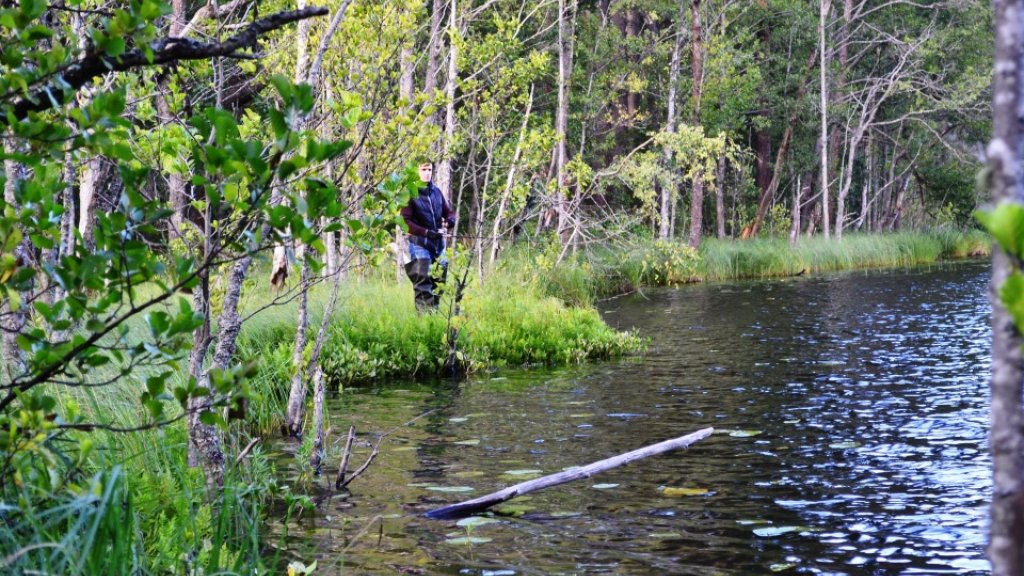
pixel 851 416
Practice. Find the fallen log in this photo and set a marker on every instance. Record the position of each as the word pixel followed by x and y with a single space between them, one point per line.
pixel 468 507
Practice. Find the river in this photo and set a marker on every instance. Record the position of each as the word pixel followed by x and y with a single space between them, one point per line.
pixel 850 414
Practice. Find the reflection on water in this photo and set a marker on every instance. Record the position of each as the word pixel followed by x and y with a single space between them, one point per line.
pixel 851 418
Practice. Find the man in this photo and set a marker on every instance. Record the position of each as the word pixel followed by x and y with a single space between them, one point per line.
pixel 427 215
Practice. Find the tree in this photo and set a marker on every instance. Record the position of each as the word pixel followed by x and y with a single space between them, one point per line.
pixel 1006 546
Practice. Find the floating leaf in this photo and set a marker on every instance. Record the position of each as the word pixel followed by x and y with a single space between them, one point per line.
pixel 474 521
pixel 604 486
pixel 844 445
pixel 467 540
pixel 744 433
pixel 665 535
pixel 778 531
pixel 781 567
pixel 685 491
pixel 566 514
pixel 752 522
pixel 524 472
pixel 472 442
pixel 450 488
pixel 457 420
pixel 468 474
pixel 513 509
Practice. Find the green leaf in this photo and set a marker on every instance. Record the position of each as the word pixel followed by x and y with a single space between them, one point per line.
pixel 1005 223
pixel 1012 296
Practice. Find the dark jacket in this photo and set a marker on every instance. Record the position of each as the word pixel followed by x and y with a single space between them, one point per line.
pixel 428 211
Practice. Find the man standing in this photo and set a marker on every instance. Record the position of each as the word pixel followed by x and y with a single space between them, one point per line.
pixel 427 216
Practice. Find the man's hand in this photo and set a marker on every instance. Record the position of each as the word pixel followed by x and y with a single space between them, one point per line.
pixel 433 234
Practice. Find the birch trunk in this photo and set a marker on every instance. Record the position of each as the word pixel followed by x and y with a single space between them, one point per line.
pixel 444 168
pixel 509 181
pixel 1006 547
pixel 316 457
pixel 13 318
pixel 670 119
pixel 822 18
pixel 295 414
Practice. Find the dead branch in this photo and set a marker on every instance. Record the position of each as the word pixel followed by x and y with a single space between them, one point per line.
pixel 482 503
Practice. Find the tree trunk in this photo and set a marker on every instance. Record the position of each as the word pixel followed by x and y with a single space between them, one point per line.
pixel 13 318
pixel 720 199
pixel 566 30
pixel 670 120
pixel 316 457
pixel 506 195
pixel 444 168
pixel 787 135
pixel 296 411
pixel 176 183
pixel 434 49
pixel 822 18
pixel 697 191
pixel 89 186
pixel 1006 547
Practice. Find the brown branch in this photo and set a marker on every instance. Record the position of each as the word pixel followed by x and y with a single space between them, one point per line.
pixel 162 51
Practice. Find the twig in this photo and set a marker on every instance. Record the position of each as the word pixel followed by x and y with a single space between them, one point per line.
pixel 340 482
pixel 376 450
pixel 245 451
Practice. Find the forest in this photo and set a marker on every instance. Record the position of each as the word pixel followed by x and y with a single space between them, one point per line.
pixel 201 216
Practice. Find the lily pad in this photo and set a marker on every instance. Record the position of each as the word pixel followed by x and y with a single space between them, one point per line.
pixel 685 491
pixel 474 521
pixel 467 540
pixel 744 433
pixel 469 474
pixel 753 522
pixel 782 567
pixel 778 531
pixel 457 420
pixel 604 486
pixel 472 442
pixel 665 535
pixel 514 509
pixel 524 472
pixel 450 488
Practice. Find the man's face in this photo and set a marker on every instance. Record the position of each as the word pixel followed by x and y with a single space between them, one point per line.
pixel 426 172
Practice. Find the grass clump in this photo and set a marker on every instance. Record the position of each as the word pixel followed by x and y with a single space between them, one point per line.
pixel 772 257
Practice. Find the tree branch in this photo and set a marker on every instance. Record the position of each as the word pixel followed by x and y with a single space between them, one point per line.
pixel 166 50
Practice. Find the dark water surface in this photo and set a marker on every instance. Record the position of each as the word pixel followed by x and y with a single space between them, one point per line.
pixel 851 439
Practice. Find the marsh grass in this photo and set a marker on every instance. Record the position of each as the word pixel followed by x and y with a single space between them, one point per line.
pixel 768 258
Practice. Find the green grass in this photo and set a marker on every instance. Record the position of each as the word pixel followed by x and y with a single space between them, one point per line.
pixel 767 258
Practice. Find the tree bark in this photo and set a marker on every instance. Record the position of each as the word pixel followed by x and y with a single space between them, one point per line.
pixel 444 168
pixel 1006 547
pixel 566 30
pixel 316 457
pixel 503 203
pixel 697 191
pixel 664 226
pixel 720 199
pixel 823 68
pixel 295 413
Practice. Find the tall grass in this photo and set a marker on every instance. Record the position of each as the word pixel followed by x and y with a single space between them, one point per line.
pixel 766 258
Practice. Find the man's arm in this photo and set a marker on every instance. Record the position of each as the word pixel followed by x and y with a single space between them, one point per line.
pixel 414 228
